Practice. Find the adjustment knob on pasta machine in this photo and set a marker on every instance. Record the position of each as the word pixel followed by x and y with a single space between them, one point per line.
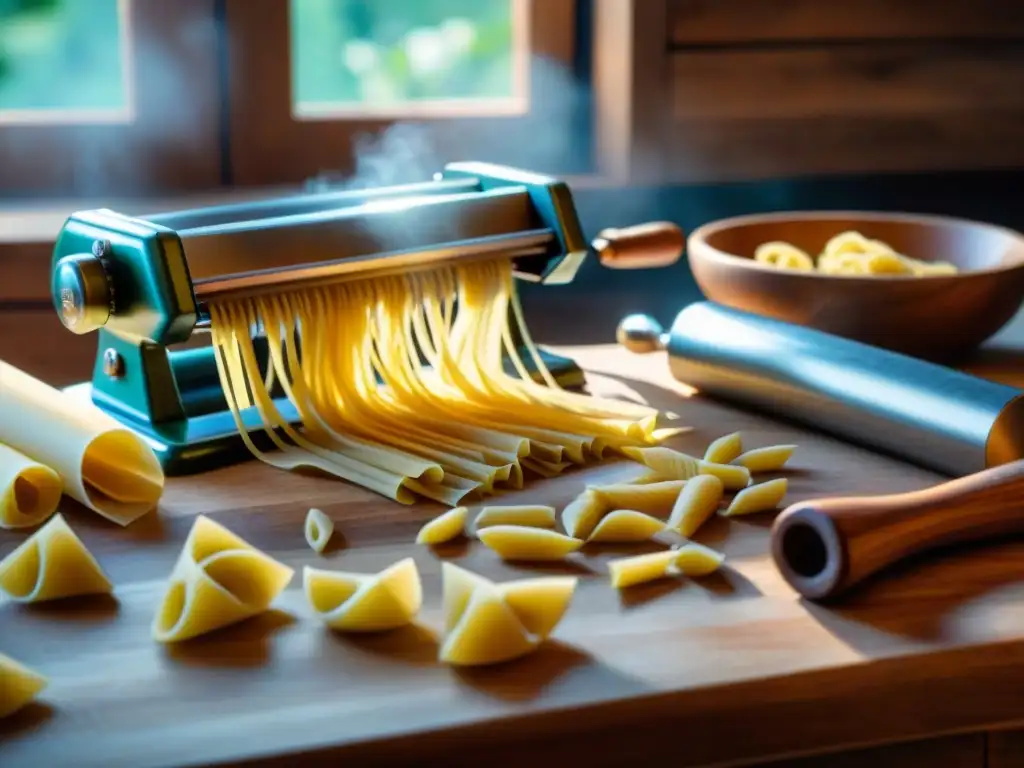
pixel 641 334
pixel 644 246
pixel 81 290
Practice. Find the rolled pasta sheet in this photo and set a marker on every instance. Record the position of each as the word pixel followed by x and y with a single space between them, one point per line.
pixel 52 564
pixel 358 602
pixel 29 491
pixel 19 685
pixel 102 465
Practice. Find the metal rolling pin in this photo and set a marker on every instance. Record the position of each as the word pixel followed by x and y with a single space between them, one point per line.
pixel 932 416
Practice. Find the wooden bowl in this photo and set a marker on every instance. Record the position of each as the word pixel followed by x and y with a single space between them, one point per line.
pixel 938 318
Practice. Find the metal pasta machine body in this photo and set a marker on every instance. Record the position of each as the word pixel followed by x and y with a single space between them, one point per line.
pixel 145 283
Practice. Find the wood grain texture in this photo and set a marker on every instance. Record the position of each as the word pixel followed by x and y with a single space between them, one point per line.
pixel 1005 749
pixel 966 751
pixel 706 22
pixel 736 662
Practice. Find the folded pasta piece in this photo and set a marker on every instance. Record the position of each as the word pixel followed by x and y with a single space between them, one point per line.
pixel 652 498
pixel 583 513
pixel 519 542
pixel 487 623
pixel 733 477
pixel 444 527
pixel 219 579
pixel 545 468
pixel 29 491
pixel 758 498
pixel 629 571
pixel 771 458
pixel 697 501
pixel 725 449
pixel 102 465
pixel 52 564
pixel 693 559
pixel 626 525
pixel 667 463
pixel 318 529
pixel 19 685
pixel 533 516
pixel 358 602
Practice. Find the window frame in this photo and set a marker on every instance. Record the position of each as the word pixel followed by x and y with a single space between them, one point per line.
pixel 268 146
pixel 171 144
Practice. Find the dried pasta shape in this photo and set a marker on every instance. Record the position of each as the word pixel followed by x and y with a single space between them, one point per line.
pixel 318 529
pixel 219 579
pixel 19 685
pixel 582 514
pixel 519 542
pixel 52 564
pixel 693 559
pixel 29 491
pixel 487 623
pixel 733 477
pixel 665 462
pixel 758 498
pixel 652 498
pixel 356 602
pixel 626 525
pixel 771 458
pixel 533 516
pixel 638 569
pixel 444 527
pixel 697 501
pixel 725 449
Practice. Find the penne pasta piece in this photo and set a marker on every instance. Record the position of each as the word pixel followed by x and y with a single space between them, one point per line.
pixel 639 569
pixel 445 527
pixel 533 516
pixel 665 462
pixel 29 491
pixel 697 501
pixel 626 525
pixel 768 459
pixel 724 449
pixel 52 564
pixel 318 529
pixel 758 498
pixel 518 542
pixel 733 477
pixel 693 559
pixel 357 602
pixel 652 498
pixel 19 685
pixel 582 514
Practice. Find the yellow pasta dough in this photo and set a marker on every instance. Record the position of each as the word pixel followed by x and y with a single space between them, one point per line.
pixel 487 623
pixel 534 516
pixel 733 477
pixel 665 462
pixel 218 580
pixel 638 569
pixel 19 685
pixel 519 542
pixel 652 498
pixel 626 525
pixel 758 498
pixel 444 527
pixel 697 501
pixel 694 559
pixel 29 491
pixel 318 529
pixel 783 256
pixel 724 449
pixel 102 465
pixel 583 513
pixel 357 602
pixel 768 459
pixel 850 253
pixel 52 564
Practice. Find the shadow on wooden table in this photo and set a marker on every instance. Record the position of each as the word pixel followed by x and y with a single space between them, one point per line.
pixel 31 717
pixel 246 644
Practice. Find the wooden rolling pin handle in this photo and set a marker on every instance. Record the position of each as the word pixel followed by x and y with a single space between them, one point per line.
pixel 823 547
pixel 644 246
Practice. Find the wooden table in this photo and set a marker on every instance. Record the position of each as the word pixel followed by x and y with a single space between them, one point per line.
pixel 730 670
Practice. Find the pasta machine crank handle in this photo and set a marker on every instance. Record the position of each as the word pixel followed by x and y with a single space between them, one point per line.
pixel 823 547
pixel 643 246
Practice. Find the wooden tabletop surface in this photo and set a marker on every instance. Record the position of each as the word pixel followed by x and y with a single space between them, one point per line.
pixel 719 671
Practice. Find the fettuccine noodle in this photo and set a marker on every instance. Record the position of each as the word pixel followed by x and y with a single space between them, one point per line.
pixel 849 253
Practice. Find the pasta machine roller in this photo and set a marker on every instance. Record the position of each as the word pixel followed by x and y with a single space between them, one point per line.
pixel 145 283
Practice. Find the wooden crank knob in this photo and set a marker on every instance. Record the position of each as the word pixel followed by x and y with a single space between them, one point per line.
pixel 644 246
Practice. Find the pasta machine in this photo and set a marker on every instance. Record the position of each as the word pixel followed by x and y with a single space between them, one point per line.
pixel 144 283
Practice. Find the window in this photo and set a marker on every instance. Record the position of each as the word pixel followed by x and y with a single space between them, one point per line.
pixel 391 89
pixel 107 97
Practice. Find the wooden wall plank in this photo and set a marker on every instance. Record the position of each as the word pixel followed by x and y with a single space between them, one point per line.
pixel 1005 749
pixel 36 342
pixel 704 22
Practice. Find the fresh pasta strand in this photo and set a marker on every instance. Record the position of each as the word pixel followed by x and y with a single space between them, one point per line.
pixel 850 253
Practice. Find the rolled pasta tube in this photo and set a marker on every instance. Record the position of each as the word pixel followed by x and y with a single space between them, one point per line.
pixel 652 498
pixel 19 685
pixel 29 491
pixel 101 464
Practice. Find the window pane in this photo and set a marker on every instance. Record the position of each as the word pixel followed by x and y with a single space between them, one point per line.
pixel 368 57
pixel 63 61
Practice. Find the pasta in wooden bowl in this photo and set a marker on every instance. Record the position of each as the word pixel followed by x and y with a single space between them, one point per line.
pixel 929 286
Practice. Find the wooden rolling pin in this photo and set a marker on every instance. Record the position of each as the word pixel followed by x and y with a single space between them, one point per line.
pixel 823 547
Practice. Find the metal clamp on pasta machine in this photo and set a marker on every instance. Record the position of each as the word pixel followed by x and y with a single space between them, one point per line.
pixel 144 283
